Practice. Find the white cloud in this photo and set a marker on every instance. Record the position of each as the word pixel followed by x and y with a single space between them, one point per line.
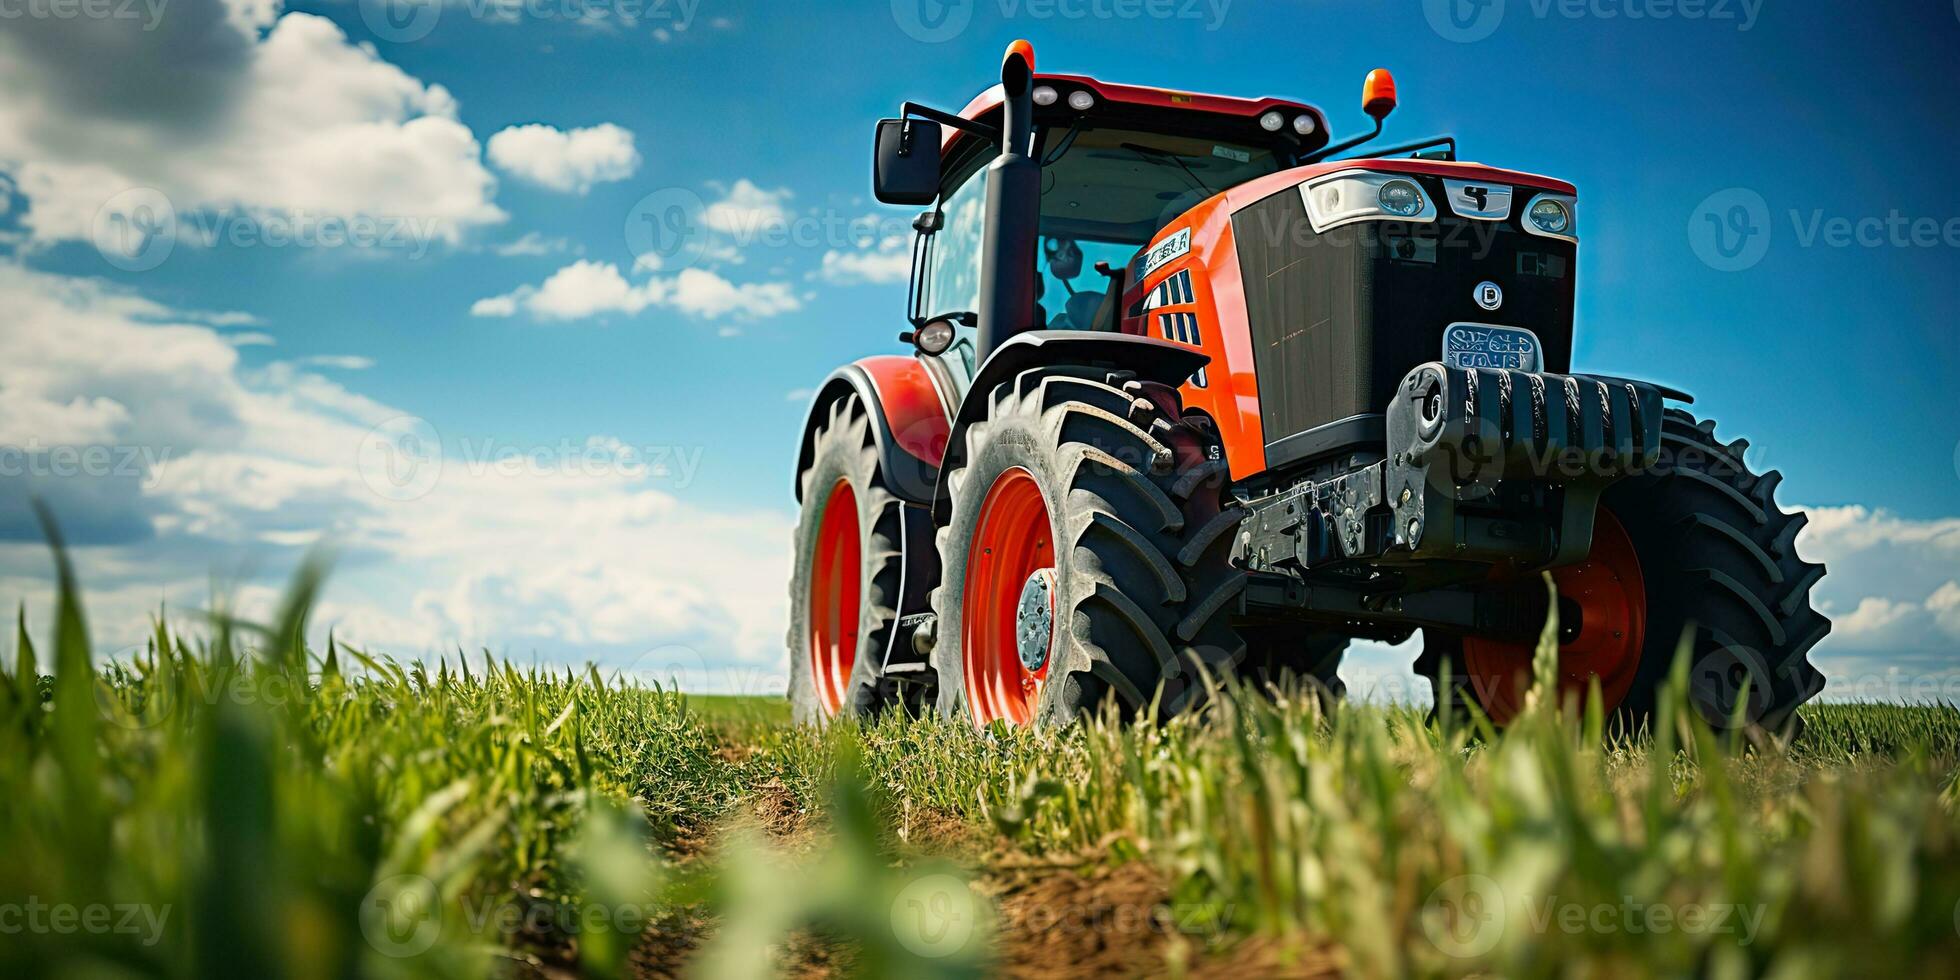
pixel 889 263
pixel 345 362
pixel 563 160
pixel 701 293
pixel 531 243
pixel 292 121
pixel 617 565
pixel 580 290
pixel 587 288
pixel 495 306
pixel 1893 594
pixel 748 211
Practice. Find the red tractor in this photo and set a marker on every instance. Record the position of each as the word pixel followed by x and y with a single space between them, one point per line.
pixel 1194 394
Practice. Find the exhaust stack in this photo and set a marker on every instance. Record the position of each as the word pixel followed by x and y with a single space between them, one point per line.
pixel 1013 216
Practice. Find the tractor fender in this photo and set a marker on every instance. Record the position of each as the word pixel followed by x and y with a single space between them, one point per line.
pixel 1149 358
pixel 908 421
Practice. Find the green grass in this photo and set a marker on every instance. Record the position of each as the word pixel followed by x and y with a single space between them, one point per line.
pixel 252 807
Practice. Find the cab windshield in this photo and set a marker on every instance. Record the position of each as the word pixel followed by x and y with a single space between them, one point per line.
pixel 1106 190
pixel 1104 193
pixel 1120 186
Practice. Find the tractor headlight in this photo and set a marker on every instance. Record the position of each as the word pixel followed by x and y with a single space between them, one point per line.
pixel 1304 125
pixel 1081 101
pixel 1551 217
pixel 1400 198
pixel 935 337
pixel 1045 95
pixel 1272 121
pixel 1360 195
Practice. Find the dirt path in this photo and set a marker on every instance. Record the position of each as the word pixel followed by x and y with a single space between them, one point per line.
pixel 1076 916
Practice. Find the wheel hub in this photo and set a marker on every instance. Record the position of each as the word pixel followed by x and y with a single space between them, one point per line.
pixel 1007 607
pixel 1034 619
pixel 1602 628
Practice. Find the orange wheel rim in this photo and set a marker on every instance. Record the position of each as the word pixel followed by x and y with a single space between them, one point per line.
pixel 1610 594
pixel 1013 542
pixel 836 573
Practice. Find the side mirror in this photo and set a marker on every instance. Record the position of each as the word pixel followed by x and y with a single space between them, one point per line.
pixel 906 170
pixel 1378 94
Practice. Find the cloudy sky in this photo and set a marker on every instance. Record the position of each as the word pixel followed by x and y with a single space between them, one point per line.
pixel 517 304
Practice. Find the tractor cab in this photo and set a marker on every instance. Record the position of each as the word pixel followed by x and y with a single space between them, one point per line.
pixel 1116 164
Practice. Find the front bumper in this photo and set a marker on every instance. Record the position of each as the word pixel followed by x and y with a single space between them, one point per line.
pixel 1481 465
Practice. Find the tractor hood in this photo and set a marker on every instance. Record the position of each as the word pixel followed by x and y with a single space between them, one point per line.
pixel 1341 277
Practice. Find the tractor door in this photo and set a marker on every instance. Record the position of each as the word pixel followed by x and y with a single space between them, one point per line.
pixel 947 281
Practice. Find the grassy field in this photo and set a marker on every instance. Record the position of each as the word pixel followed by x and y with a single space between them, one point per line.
pixel 246 806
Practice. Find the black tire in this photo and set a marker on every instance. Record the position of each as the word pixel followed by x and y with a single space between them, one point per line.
pixel 1286 656
pixel 843 450
pixel 1718 557
pixel 1145 587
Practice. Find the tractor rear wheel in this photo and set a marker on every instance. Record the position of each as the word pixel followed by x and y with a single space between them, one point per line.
pixel 1086 557
pixel 1695 548
pixel 844 588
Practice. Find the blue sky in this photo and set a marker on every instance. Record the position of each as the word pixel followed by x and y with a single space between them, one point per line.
pixel 507 314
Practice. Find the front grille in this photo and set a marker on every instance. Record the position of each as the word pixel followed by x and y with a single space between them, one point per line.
pixel 1338 319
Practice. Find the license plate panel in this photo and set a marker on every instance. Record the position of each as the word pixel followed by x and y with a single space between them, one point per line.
pixel 1489 345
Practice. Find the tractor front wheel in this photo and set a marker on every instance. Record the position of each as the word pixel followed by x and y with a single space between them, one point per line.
pixel 1086 556
pixel 1694 552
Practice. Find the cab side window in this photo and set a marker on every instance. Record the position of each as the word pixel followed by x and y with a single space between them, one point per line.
pixel 952 276
pixel 953 268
